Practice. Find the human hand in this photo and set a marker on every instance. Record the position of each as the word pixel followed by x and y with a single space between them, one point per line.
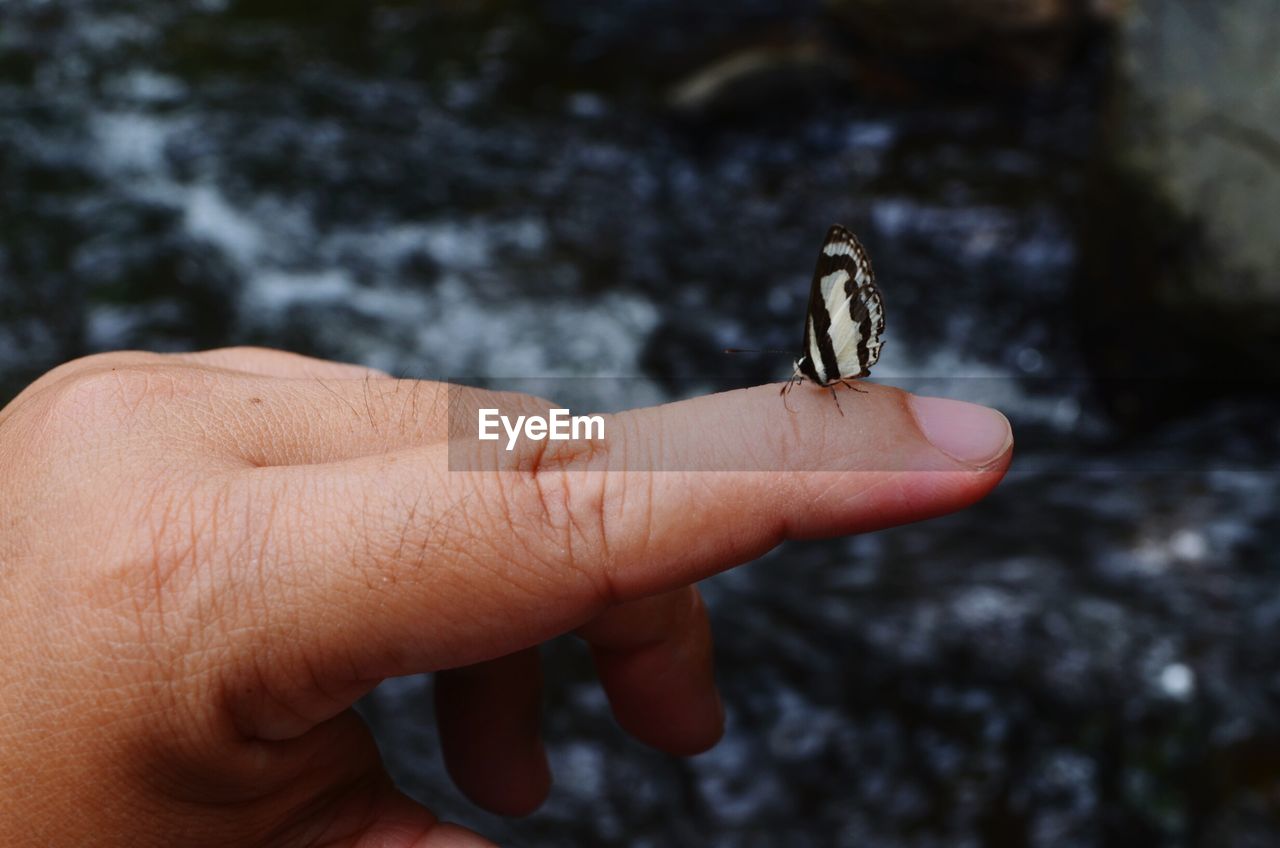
pixel 207 558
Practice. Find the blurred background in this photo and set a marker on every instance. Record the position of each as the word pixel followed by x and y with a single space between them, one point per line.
pixel 1071 206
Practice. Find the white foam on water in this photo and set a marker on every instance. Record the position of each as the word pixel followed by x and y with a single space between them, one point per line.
pixel 947 373
pixel 471 321
pixel 209 216
pixel 131 142
pixel 601 335
pixel 1178 681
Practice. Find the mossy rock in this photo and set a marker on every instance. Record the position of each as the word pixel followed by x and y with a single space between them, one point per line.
pixel 1179 297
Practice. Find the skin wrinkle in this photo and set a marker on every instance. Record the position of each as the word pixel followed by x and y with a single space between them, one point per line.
pixel 578 489
pixel 313 683
pixel 431 541
pixel 368 409
pixel 124 380
pixel 619 453
pixel 286 448
pixel 243 694
pixel 526 574
pixel 195 414
pixel 574 529
pixel 561 522
pixel 396 426
pixel 265 532
pixel 503 502
pixel 428 538
pixel 203 422
pixel 409 399
pixel 834 481
pixel 242 640
pixel 152 604
pixel 308 440
pixel 271 537
pixel 211 506
pixel 629 443
pixel 875 488
pixel 411 518
pixel 197 526
pixel 295 762
pixel 400 568
pixel 602 479
pixel 438 413
pixel 333 392
pixel 144 605
pixel 413 394
pixel 184 656
pixel 270 424
pixel 561 519
pixel 268 701
pixel 365 537
pixel 539 563
pixel 357 519
pixel 460 550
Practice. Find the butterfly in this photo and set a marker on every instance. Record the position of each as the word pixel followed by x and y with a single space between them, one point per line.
pixel 845 318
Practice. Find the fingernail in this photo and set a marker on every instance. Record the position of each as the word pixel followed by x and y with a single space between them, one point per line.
pixel 968 433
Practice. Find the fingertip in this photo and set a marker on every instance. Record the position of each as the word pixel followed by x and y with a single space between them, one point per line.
pixel 514 782
pixel 973 435
pixel 661 686
pixel 489 716
pixel 400 822
pixel 523 790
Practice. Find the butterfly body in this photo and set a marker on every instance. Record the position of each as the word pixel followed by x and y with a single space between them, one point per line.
pixel 845 318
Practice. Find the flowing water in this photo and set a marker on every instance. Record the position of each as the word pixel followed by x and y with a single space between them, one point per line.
pixel 505 190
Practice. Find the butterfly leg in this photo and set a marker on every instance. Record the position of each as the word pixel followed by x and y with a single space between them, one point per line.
pixel 849 385
pixel 836 397
pixel 786 389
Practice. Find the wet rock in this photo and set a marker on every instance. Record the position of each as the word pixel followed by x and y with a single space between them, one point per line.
pixel 1181 266
pixel 1033 39
pixel 932 23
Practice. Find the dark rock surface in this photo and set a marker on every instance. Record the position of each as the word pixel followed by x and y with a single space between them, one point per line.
pixel 1014 41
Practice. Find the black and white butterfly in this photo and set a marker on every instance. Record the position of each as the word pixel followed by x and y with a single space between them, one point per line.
pixel 845 318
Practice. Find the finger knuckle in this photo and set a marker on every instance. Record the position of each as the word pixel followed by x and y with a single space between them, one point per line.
pixel 111 397
pixel 570 493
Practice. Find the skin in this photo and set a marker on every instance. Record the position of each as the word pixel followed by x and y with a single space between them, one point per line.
pixel 207 558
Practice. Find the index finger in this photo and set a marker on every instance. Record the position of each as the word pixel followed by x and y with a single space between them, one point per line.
pixel 440 567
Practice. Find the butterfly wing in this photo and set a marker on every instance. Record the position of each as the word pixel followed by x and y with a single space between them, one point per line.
pixel 817 326
pixel 846 313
